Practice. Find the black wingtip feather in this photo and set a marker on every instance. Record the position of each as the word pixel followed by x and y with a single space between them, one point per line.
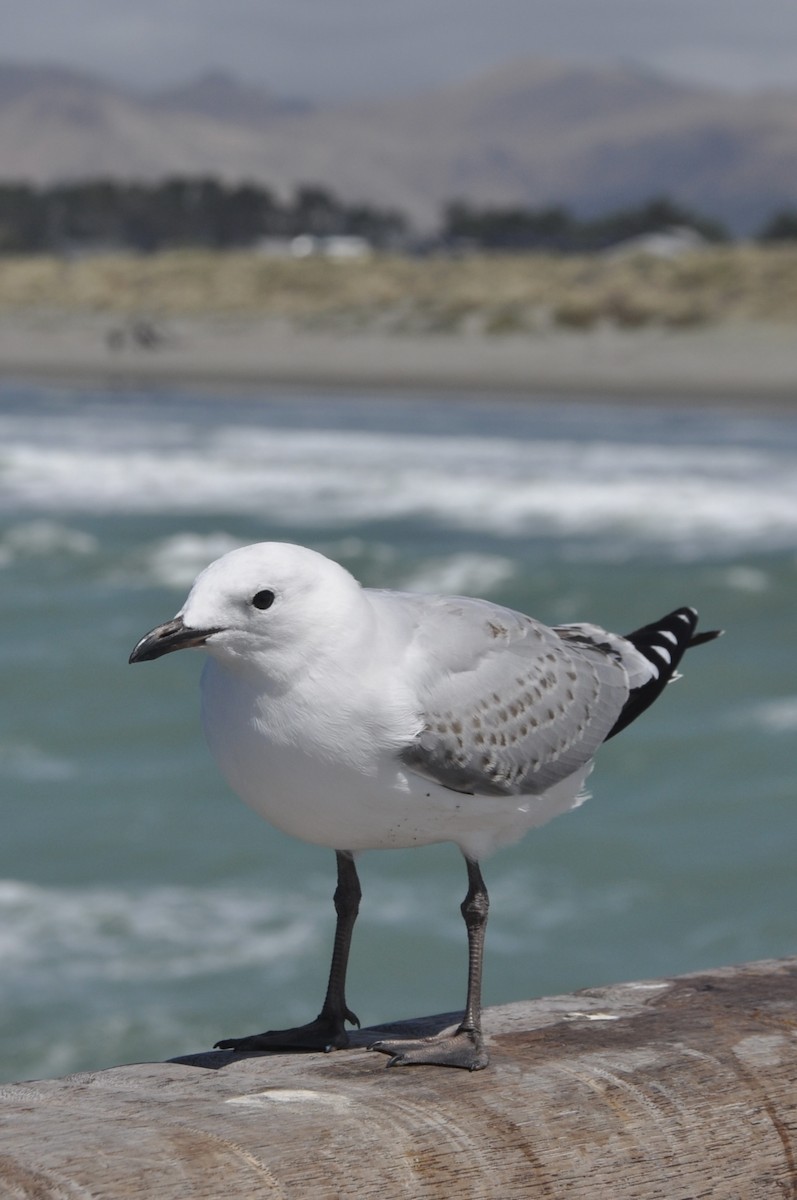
pixel 663 643
pixel 708 636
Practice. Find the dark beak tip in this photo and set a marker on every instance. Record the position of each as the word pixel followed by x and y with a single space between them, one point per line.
pixel 139 652
pixel 163 639
pixel 148 648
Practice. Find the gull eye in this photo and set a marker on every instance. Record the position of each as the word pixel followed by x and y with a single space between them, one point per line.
pixel 263 599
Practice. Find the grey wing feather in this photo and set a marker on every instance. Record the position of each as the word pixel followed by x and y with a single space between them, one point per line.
pixel 525 707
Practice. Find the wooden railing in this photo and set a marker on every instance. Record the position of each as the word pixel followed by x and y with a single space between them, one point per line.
pixel 674 1089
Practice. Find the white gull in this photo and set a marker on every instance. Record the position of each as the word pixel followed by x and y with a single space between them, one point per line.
pixel 362 719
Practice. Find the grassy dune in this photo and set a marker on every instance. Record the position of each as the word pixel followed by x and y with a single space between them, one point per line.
pixel 492 294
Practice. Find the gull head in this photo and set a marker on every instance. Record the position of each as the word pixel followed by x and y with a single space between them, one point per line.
pixel 271 602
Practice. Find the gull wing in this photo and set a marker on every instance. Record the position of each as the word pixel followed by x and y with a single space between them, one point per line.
pixel 508 705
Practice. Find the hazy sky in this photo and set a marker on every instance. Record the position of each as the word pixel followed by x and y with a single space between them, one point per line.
pixel 343 48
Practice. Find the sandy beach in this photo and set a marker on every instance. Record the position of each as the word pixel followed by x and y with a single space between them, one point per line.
pixel 753 364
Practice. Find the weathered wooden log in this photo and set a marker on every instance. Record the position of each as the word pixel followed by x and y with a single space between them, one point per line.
pixel 675 1089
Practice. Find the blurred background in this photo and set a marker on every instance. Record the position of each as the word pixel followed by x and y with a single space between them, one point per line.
pixel 496 300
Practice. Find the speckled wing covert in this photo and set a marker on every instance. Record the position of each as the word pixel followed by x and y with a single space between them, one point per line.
pixel 513 706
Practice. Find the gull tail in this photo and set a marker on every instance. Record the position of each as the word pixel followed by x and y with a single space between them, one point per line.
pixel 663 643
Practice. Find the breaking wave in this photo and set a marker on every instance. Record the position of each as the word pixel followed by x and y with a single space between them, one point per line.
pixel 689 498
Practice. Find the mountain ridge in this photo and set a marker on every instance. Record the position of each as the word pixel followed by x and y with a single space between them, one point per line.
pixel 532 132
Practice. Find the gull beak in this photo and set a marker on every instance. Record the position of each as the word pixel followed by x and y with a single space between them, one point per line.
pixel 174 635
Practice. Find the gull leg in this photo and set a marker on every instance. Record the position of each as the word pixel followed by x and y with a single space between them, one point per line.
pixel 328 1030
pixel 465 1046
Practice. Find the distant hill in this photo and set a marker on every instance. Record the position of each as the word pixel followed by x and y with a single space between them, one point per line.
pixel 221 97
pixel 532 133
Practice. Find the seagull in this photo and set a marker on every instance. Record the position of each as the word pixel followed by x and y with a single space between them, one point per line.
pixel 365 719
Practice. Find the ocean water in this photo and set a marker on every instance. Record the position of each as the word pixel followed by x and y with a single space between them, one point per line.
pixel 145 912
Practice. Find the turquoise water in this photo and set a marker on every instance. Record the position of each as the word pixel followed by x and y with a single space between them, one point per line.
pixel 145 912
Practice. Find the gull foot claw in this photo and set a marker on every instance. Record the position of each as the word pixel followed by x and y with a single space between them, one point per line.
pixel 324 1033
pixel 464 1048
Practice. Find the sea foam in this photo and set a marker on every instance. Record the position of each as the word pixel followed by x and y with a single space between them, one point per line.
pixel 686 499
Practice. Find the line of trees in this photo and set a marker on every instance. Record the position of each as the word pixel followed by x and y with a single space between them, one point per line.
pixel 179 212
pixel 206 212
pixel 557 229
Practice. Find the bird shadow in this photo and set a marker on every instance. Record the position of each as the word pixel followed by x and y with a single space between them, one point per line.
pixel 359 1039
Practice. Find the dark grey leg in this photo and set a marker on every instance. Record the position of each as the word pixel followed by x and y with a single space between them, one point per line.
pixel 465 1047
pixel 347 905
pixel 475 908
pixel 328 1030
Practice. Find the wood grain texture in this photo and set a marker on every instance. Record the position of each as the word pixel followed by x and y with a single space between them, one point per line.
pixel 671 1089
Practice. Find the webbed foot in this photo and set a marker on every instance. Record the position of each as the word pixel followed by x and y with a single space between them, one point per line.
pixel 324 1033
pixel 464 1048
